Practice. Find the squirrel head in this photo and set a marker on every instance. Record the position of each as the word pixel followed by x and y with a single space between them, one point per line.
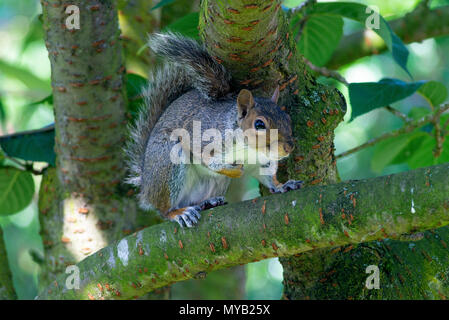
pixel 257 117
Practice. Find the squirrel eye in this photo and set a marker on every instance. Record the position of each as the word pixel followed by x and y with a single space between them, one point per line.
pixel 259 125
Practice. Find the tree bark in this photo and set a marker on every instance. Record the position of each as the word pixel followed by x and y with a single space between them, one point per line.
pixel 418 25
pixel 82 204
pixel 7 291
pixel 276 226
pixel 252 40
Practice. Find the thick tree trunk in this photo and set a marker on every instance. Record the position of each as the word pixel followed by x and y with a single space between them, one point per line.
pixel 82 204
pixel 7 291
pixel 252 40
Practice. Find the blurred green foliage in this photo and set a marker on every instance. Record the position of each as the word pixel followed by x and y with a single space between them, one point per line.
pixel 24 105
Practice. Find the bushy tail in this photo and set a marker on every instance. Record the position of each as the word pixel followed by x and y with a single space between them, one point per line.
pixel 189 66
pixel 207 75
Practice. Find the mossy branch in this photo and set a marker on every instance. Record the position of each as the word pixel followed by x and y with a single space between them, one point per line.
pixel 418 25
pixel 280 225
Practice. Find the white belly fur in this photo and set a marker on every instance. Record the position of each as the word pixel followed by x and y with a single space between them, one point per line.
pixel 201 184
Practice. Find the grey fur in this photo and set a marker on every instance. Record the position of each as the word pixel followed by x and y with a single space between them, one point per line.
pixel 165 85
pixel 178 94
pixel 207 75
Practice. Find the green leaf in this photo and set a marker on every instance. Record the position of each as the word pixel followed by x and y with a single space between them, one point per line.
pixel 25 76
pixel 421 150
pixel 423 157
pixel 358 12
pixel 46 100
pixel 416 140
pixel 292 3
pixel 386 151
pixel 187 25
pixel 2 114
pixel 320 38
pixel 35 145
pixel 434 92
pixel 418 113
pixel 367 96
pixel 35 33
pixel 162 3
pixel 16 190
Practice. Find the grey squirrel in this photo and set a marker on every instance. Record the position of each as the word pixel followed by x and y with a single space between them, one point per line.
pixel 191 86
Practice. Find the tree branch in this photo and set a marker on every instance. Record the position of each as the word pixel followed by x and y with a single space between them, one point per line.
pixel 418 25
pixel 280 225
pixel 409 127
pixel 6 286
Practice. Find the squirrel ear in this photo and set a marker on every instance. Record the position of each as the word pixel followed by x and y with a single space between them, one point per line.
pixel 275 96
pixel 245 102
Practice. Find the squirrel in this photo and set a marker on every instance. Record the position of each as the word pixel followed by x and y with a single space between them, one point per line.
pixel 190 87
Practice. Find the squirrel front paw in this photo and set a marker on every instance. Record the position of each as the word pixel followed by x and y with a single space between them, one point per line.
pixel 212 203
pixel 289 185
pixel 186 217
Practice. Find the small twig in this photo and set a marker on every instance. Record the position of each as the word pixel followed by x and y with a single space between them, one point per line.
pixel 398 114
pixel 445 128
pixel 439 138
pixel 409 127
pixel 302 6
pixel 327 72
pixel 26 166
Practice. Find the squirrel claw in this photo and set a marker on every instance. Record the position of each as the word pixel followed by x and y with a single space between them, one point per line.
pixel 189 217
pixel 292 185
pixel 212 203
pixel 289 185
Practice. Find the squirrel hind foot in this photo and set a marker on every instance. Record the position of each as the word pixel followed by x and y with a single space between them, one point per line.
pixel 186 217
pixel 189 216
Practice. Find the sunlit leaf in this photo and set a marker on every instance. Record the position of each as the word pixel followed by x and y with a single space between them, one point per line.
pixel 361 13
pixel 35 33
pixel 16 190
pixel 24 75
pixel 434 92
pixel 416 140
pixel 417 113
pixel 320 37
pixel 386 151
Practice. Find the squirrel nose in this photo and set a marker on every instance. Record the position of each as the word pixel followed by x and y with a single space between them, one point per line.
pixel 289 146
